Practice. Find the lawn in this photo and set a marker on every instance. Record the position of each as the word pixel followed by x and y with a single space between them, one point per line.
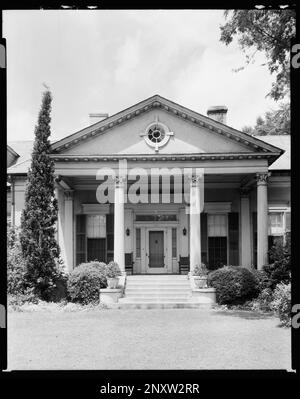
pixel 146 339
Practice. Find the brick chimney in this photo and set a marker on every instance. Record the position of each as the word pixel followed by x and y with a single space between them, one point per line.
pixel 218 113
pixel 94 118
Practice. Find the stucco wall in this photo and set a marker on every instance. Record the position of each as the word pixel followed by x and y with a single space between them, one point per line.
pixel 126 139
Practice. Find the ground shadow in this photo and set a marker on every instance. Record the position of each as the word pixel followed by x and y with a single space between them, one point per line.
pixel 245 314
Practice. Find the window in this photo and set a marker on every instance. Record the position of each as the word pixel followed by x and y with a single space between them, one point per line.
pixel 217 252
pixel 174 243
pixel 156 134
pixel 275 223
pixel 138 242
pixel 96 226
pixel 217 240
pixel 217 225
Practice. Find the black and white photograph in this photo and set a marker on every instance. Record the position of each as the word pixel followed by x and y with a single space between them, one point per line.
pixel 148 190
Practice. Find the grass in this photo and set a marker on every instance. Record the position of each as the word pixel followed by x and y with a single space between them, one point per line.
pixel 52 336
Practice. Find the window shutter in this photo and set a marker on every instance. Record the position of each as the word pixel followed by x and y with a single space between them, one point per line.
pixel 254 225
pixel 110 237
pixel 80 239
pixel 203 217
pixel 233 236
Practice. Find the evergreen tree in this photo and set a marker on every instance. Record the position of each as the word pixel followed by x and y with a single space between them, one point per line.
pixel 38 242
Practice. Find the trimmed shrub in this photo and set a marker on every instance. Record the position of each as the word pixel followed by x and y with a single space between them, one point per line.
pixel 233 284
pixel 85 281
pixel 282 303
pixel 279 271
pixel 262 278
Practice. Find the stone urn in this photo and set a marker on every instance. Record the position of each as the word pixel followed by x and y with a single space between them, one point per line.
pixel 200 281
pixel 112 282
pixel 200 273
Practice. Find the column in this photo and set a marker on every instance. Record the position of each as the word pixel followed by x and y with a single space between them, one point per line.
pixel 119 254
pixel 68 230
pixel 262 220
pixel 195 230
pixel 245 228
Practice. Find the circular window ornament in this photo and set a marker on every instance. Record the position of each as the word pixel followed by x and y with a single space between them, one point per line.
pixel 157 135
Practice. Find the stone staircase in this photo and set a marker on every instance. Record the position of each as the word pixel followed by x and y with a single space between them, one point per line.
pixel 157 291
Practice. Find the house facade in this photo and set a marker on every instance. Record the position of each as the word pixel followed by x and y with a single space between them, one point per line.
pixel 158 182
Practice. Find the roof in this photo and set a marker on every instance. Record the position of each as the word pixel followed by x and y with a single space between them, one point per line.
pixel 283 142
pixel 156 102
pixel 271 146
pixel 24 149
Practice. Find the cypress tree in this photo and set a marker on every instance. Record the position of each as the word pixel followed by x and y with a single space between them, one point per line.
pixel 38 241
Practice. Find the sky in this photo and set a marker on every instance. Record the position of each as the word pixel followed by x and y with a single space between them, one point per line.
pixel 106 61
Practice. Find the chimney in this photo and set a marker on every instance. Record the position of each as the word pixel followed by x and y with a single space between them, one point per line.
pixel 94 118
pixel 218 113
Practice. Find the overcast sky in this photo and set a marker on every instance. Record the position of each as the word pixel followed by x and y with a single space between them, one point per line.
pixel 105 61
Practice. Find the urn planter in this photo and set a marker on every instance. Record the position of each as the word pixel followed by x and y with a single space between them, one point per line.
pixel 200 281
pixel 112 282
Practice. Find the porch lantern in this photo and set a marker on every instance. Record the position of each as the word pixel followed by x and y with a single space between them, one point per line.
pixel 184 231
pixel 127 232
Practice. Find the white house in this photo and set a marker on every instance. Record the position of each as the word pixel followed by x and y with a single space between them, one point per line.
pixel 242 190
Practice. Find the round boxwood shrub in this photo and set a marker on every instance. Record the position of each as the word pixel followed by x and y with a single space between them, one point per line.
pixel 233 284
pixel 85 281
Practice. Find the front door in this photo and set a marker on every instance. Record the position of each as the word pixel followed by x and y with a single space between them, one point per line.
pixel 156 252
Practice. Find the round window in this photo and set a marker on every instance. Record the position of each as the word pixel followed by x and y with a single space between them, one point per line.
pixel 156 134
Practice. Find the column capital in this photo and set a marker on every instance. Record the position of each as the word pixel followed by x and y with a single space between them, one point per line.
pixel 69 195
pixel 119 180
pixel 262 178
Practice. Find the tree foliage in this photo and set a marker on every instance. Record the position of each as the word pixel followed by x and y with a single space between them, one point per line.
pixel 275 122
pixel 38 242
pixel 268 31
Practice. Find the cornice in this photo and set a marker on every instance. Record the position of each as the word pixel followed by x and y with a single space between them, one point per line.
pixel 162 157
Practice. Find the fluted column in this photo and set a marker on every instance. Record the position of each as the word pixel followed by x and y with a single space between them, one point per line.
pixel 119 236
pixel 195 228
pixel 262 219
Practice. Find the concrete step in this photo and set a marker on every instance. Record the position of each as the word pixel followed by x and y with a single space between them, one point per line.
pixel 161 305
pixel 134 299
pixel 156 294
pixel 159 297
pixel 155 289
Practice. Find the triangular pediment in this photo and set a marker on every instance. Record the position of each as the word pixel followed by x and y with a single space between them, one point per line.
pixel 184 131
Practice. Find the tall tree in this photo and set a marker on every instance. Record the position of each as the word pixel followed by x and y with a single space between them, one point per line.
pixel 276 122
pixel 268 31
pixel 38 242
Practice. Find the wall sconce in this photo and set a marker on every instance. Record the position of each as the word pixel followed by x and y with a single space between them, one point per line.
pixel 127 232
pixel 184 231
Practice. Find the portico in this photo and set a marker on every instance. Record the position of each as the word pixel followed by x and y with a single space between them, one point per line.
pixel 172 183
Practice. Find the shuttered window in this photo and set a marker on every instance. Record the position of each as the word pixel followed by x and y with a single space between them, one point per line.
pixel 96 226
pixel 217 225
